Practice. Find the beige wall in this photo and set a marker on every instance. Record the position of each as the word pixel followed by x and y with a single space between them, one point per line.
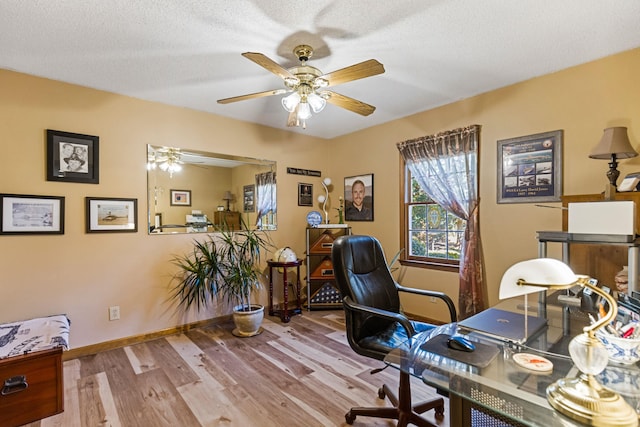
pixel 582 101
pixel 83 274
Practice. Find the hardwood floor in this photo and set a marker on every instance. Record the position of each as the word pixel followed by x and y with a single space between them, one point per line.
pixel 302 373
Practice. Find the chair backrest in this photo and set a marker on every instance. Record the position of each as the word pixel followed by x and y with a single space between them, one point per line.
pixel 362 273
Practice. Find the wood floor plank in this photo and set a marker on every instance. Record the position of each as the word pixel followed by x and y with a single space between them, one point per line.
pixel 97 406
pixel 171 362
pixel 297 374
pixel 163 400
pixel 140 358
pixel 128 398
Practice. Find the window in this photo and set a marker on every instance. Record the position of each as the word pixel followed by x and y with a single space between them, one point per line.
pixel 266 200
pixel 432 236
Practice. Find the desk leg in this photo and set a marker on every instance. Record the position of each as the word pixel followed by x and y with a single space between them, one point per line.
pixel 459 411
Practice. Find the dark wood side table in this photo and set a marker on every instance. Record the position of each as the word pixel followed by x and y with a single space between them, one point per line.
pixel 282 268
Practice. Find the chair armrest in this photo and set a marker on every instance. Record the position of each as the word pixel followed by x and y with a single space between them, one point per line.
pixel 440 295
pixel 389 315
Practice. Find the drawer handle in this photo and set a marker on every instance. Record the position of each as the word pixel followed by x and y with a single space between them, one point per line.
pixel 14 385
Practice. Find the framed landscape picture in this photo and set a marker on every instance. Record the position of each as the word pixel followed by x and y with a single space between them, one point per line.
pixel 104 215
pixel 180 197
pixel 26 214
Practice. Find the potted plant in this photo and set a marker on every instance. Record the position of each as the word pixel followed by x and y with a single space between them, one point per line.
pixel 226 265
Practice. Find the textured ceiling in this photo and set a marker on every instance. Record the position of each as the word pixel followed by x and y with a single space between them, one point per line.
pixel 187 52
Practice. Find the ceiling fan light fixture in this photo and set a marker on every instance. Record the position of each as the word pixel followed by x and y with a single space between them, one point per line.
pixel 316 102
pixel 290 102
pixel 306 86
pixel 304 112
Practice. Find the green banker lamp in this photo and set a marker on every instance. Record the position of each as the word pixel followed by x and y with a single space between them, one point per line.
pixel 582 398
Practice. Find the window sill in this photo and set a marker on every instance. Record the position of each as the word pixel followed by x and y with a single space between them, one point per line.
pixel 430 265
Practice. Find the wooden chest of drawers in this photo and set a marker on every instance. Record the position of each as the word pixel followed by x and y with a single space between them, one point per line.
pixel 229 219
pixel 31 387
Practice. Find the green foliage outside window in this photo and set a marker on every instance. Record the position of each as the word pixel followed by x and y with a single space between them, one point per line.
pixel 433 232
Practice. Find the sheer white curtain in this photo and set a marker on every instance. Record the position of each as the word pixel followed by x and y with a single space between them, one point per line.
pixel 446 167
pixel 265 195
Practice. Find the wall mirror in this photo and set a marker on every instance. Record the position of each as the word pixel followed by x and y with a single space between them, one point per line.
pixel 192 191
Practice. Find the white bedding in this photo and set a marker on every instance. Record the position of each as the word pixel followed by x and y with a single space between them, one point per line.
pixel 33 335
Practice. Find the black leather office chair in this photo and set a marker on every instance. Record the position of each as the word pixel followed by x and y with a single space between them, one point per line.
pixel 374 323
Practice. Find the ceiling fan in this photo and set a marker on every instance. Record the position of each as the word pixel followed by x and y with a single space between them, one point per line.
pixel 307 85
pixel 168 159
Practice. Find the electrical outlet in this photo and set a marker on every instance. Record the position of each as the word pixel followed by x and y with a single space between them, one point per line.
pixel 432 299
pixel 114 312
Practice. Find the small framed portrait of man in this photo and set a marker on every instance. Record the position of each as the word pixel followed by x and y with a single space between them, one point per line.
pixel 358 196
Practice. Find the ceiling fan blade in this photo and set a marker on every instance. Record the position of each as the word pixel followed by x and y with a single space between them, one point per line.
pixel 354 72
pixel 350 103
pixel 252 95
pixel 268 64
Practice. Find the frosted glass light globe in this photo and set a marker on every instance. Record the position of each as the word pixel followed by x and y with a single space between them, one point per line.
pixel 327 181
pixel 588 354
pixel 321 198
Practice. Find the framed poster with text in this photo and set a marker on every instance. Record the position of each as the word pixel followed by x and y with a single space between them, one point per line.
pixel 530 168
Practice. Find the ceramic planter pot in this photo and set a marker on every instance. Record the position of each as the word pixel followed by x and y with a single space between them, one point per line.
pixel 247 321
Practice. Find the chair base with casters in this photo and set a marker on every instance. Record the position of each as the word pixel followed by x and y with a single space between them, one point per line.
pixel 402 409
pixel 375 324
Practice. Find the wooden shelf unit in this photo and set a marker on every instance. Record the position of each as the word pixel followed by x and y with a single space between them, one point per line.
pixel 322 291
pixel 600 260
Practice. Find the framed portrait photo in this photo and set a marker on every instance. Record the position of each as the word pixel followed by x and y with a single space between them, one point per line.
pixel 106 215
pixel 530 168
pixel 72 157
pixel 358 197
pixel 26 214
pixel 180 197
pixel 249 198
pixel 305 194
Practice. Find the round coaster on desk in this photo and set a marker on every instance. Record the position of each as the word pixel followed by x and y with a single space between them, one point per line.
pixel 533 362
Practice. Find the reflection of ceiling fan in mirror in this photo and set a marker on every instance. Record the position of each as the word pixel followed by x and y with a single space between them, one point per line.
pixel 308 86
pixel 168 159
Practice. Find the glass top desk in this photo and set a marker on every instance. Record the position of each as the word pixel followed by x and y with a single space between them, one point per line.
pixel 503 389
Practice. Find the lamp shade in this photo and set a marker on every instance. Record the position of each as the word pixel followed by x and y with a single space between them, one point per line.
pixel 316 102
pixel 614 141
pixel 546 272
pixel 291 102
pixel 227 196
pixel 304 112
